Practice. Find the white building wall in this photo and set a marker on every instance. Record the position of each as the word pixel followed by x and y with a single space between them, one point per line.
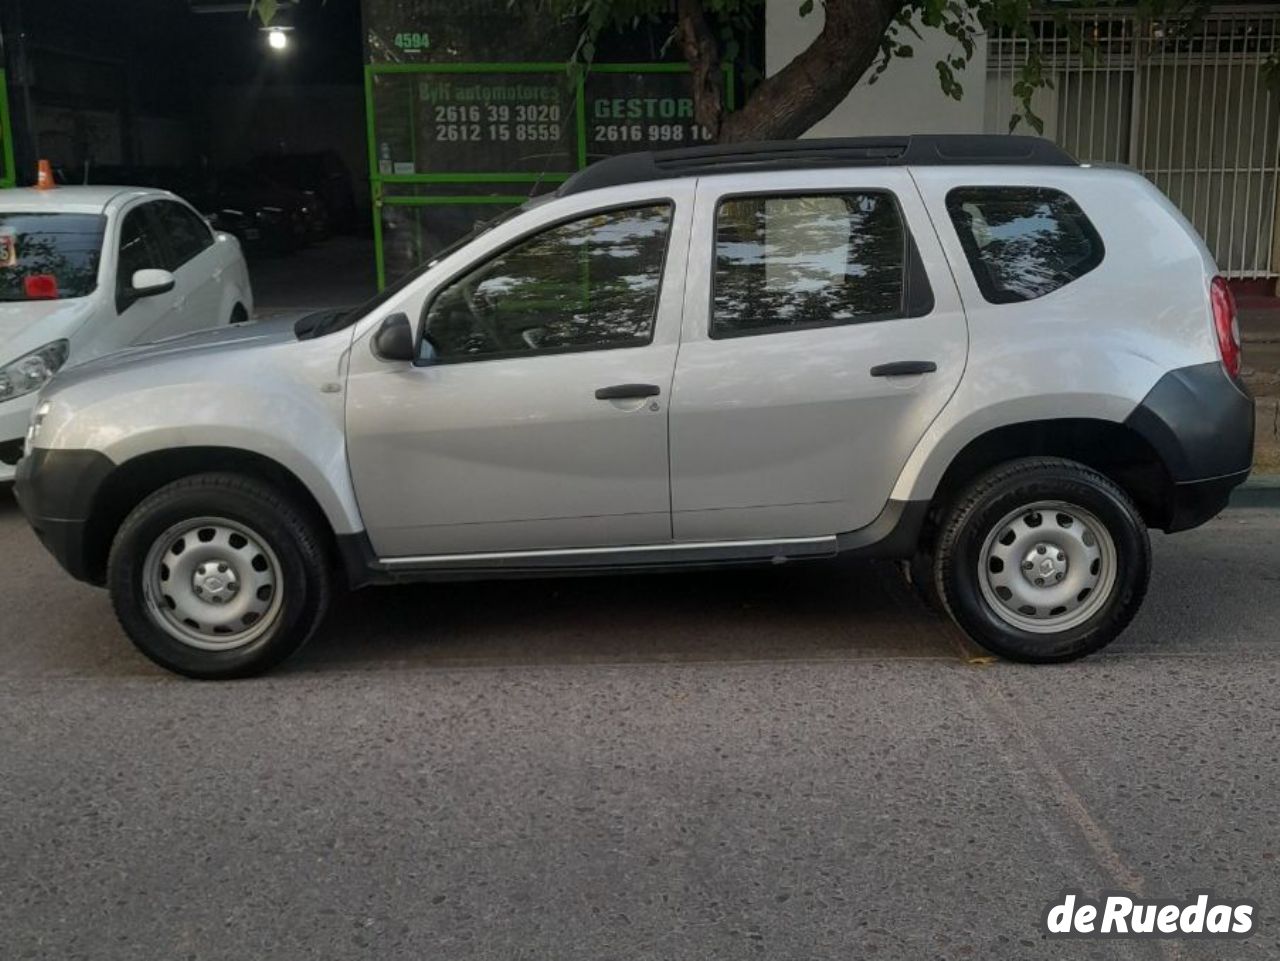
pixel 906 99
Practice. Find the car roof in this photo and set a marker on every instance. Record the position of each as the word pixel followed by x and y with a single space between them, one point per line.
pixel 916 150
pixel 70 199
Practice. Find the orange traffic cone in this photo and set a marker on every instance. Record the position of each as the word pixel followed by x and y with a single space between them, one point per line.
pixel 44 176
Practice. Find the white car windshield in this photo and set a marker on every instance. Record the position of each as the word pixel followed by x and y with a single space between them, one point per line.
pixel 49 256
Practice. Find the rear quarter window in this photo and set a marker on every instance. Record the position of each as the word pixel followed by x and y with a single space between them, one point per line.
pixel 1023 242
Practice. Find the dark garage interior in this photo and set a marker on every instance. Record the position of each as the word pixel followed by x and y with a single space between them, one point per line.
pixel 195 97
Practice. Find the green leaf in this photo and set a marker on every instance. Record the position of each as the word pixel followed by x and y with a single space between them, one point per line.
pixel 266 10
pixel 806 8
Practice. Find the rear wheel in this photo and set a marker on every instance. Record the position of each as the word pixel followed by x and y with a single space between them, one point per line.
pixel 1043 560
pixel 218 576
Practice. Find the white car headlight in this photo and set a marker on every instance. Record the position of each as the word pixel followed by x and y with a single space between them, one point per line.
pixel 30 371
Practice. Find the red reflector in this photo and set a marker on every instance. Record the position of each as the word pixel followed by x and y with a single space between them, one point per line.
pixel 40 286
pixel 1226 325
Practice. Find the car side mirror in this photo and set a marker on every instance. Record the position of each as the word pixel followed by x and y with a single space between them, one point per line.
pixel 149 282
pixel 394 339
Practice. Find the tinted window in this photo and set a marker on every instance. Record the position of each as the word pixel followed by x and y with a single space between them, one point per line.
pixel 49 255
pixel 186 231
pixel 587 284
pixel 139 248
pixel 785 263
pixel 1023 242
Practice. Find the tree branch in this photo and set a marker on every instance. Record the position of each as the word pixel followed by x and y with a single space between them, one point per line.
pixel 791 101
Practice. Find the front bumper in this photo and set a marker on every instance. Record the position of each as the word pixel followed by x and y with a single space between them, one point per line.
pixel 15 415
pixel 56 490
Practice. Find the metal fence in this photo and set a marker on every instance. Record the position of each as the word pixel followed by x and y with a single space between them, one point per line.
pixel 1185 102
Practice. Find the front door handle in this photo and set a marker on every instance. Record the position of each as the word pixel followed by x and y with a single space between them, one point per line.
pixel 628 391
pixel 904 368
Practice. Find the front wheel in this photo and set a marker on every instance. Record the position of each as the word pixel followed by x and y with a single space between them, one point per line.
pixel 218 576
pixel 1043 560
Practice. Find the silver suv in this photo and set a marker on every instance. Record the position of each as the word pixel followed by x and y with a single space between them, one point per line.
pixel 969 354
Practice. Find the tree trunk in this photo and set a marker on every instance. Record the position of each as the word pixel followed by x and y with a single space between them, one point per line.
pixel 791 101
pixel 698 43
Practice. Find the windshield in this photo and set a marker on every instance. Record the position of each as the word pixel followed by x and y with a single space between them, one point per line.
pixel 49 256
pixel 317 325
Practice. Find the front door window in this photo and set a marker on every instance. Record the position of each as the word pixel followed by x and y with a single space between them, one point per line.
pixel 589 284
pixel 140 248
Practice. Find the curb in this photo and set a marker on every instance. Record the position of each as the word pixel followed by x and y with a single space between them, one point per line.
pixel 1260 490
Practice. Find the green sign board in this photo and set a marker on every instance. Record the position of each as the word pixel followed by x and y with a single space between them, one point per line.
pixel 454 143
pixel 8 175
pixel 448 121
pixel 473 107
pixel 638 109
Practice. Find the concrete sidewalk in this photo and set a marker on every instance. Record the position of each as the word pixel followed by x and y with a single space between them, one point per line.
pixel 1260 490
pixel 1260 331
pixel 1260 324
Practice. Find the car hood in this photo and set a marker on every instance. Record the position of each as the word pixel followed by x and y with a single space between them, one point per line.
pixel 219 340
pixel 29 324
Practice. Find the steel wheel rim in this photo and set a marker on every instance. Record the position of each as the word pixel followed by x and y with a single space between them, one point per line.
pixel 1047 567
pixel 212 584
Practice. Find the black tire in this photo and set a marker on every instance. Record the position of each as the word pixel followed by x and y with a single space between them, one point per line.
pixel 238 315
pixel 920 575
pixel 992 498
pixel 258 508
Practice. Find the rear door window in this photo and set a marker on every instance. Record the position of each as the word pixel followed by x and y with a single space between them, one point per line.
pixel 1023 242
pixel 794 262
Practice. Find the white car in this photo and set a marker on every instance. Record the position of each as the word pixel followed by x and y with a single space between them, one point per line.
pixel 89 270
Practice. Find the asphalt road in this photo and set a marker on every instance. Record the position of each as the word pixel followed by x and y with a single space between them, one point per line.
pixel 781 764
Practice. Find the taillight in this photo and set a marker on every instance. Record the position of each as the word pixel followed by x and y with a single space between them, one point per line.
pixel 1226 325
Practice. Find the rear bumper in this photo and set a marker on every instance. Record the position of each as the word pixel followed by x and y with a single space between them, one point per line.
pixel 1195 502
pixel 56 490
pixel 1200 423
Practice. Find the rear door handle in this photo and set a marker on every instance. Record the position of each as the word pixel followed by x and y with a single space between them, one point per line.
pixel 627 391
pixel 904 368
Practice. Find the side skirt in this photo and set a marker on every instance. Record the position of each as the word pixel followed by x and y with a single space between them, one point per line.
pixel 892 535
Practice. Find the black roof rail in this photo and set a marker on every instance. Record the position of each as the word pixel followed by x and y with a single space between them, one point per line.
pixel 915 150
